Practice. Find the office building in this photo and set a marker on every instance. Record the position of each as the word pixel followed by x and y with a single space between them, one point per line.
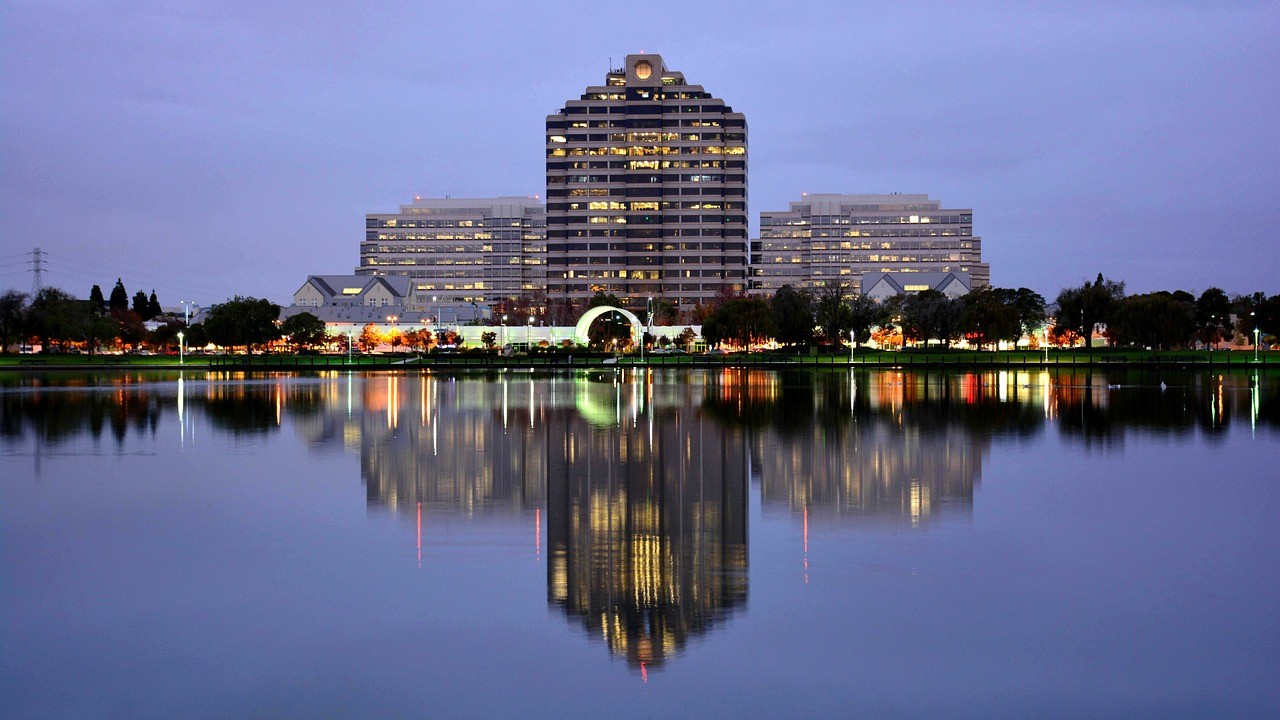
pixel 838 238
pixel 462 255
pixel 646 190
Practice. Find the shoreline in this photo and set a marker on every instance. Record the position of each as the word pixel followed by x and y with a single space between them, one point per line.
pixel 969 360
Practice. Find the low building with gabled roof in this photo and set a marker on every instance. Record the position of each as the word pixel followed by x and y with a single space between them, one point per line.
pixel 887 284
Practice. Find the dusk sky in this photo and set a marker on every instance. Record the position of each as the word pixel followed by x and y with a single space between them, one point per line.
pixel 206 150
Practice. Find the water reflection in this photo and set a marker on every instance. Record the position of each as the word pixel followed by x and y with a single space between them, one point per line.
pixel 646 519
pixel 641 479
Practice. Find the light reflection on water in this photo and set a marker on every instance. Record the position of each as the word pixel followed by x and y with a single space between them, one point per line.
pixel 637 488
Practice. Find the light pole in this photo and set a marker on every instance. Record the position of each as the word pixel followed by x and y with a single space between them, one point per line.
pixel 648 323
pixel 1254 315
pixel 348 346
pixel 182 349
pixel 502 339
pixel 436 299
pixel 528 336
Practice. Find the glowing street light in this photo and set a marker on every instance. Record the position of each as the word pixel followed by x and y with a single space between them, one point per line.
pixel 1254 315
pixel 502 339
pixel 182 349
pixel 528 335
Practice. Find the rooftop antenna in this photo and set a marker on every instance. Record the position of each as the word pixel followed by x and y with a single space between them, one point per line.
pixel 37 269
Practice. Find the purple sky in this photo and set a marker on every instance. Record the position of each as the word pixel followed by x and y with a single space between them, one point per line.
pixel 214 149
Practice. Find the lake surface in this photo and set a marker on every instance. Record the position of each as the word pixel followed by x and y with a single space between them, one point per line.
pixel 717 544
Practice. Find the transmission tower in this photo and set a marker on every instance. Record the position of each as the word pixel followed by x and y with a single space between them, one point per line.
pixel 37 269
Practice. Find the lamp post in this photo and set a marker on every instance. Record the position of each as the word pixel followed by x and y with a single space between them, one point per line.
pixel 182 349
pixel 348 346
pixel 502 339
pixel 528 336
pixel 436 299
pixel 1254 315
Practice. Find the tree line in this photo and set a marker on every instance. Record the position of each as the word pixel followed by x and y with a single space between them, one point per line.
pixel 830 316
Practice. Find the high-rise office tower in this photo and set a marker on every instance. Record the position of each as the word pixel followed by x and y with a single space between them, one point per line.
pixel 461 254
pixel 646 190
pixel 838 238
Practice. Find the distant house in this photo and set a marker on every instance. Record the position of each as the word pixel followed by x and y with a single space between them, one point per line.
pixel 888 284
pixel 356 300
pixel 353 290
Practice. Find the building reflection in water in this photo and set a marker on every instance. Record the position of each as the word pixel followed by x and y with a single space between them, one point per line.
pixel 646 516
pixel 641 479
pixel 644 497
pixel 882 446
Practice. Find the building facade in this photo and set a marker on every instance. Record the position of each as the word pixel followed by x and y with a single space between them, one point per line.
pixel 838 238
pixel 646 190
pixel 461 254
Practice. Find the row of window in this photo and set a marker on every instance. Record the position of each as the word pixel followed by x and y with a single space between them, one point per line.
pixel 579 107
pixel 791 219
pixel 635 247
pixel 640 205
pixel 646 191
pixel 645 232
pixel 646 165
pixel 645 151
pixel 649 261
pixel 647 178
pixel 646 123
pixel 494 223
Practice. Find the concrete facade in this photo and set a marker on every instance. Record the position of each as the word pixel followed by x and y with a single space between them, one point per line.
pixel 646 190
pixel 840 238
pixel 460 254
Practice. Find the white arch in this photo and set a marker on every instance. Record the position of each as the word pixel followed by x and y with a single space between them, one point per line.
pixel 580 330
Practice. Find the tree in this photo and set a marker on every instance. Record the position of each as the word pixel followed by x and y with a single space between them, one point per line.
pixel 685 338
pixel 832 314
pixel 304 330
pixel 664 312
pixel 930 315
pixel 988 315
pixel 140 304
pixel 13 318
pixel 95 297
pixel 129 327
pixel 58 319
pixel 196 336
pixel 1213 317
pixel 865 313
pixel 119 298
pixel 165 336
pixel 153 307
pixel 242 321
pixel 1158 320
pixel 741 320
pixel 1083 308
pixel 418 340
pixel 489 338
pixel 1257 311
pixel 792 312
pixel 369 338
pixel 1031 309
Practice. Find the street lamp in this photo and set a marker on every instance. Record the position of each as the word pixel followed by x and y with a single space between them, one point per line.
pixel 502 339
pixel 528 336
pixel 182 349
pixel 1254 315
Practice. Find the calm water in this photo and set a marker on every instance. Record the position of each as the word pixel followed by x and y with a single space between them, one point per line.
pixel 710 544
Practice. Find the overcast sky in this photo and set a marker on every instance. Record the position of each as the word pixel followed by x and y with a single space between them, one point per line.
pixel 213 149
